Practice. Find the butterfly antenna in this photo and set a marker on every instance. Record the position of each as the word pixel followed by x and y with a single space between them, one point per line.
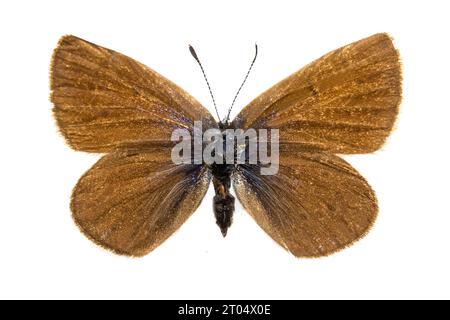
pixel 245 79
pixel 194 54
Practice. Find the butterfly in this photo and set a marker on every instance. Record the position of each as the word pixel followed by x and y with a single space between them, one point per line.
pixel 135 197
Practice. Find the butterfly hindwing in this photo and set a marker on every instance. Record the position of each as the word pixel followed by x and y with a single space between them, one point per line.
pixel 315 205
pixel 131 202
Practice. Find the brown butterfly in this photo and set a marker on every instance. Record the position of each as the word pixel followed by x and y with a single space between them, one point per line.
pixel 135 197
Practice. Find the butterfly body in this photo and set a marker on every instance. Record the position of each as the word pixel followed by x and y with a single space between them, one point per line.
pixel 223 201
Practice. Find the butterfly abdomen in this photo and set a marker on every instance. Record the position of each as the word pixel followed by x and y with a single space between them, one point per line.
pixel 223 202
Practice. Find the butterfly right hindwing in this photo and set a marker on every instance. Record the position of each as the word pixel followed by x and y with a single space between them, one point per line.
pixel 315 205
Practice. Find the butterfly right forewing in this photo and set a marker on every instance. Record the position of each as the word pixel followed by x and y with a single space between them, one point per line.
pixel 345 102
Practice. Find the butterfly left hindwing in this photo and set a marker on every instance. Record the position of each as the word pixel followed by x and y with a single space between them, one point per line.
pixel 130 203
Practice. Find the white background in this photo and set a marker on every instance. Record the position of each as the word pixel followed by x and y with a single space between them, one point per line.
pixel 42 253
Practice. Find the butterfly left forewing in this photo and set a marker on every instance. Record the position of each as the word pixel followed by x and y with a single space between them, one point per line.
pixel 315 205
pixel 131 202
pixel 104 100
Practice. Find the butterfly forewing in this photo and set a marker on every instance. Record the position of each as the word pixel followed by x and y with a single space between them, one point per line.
pixel 345 102
pixel 131 202
pixel 103 99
